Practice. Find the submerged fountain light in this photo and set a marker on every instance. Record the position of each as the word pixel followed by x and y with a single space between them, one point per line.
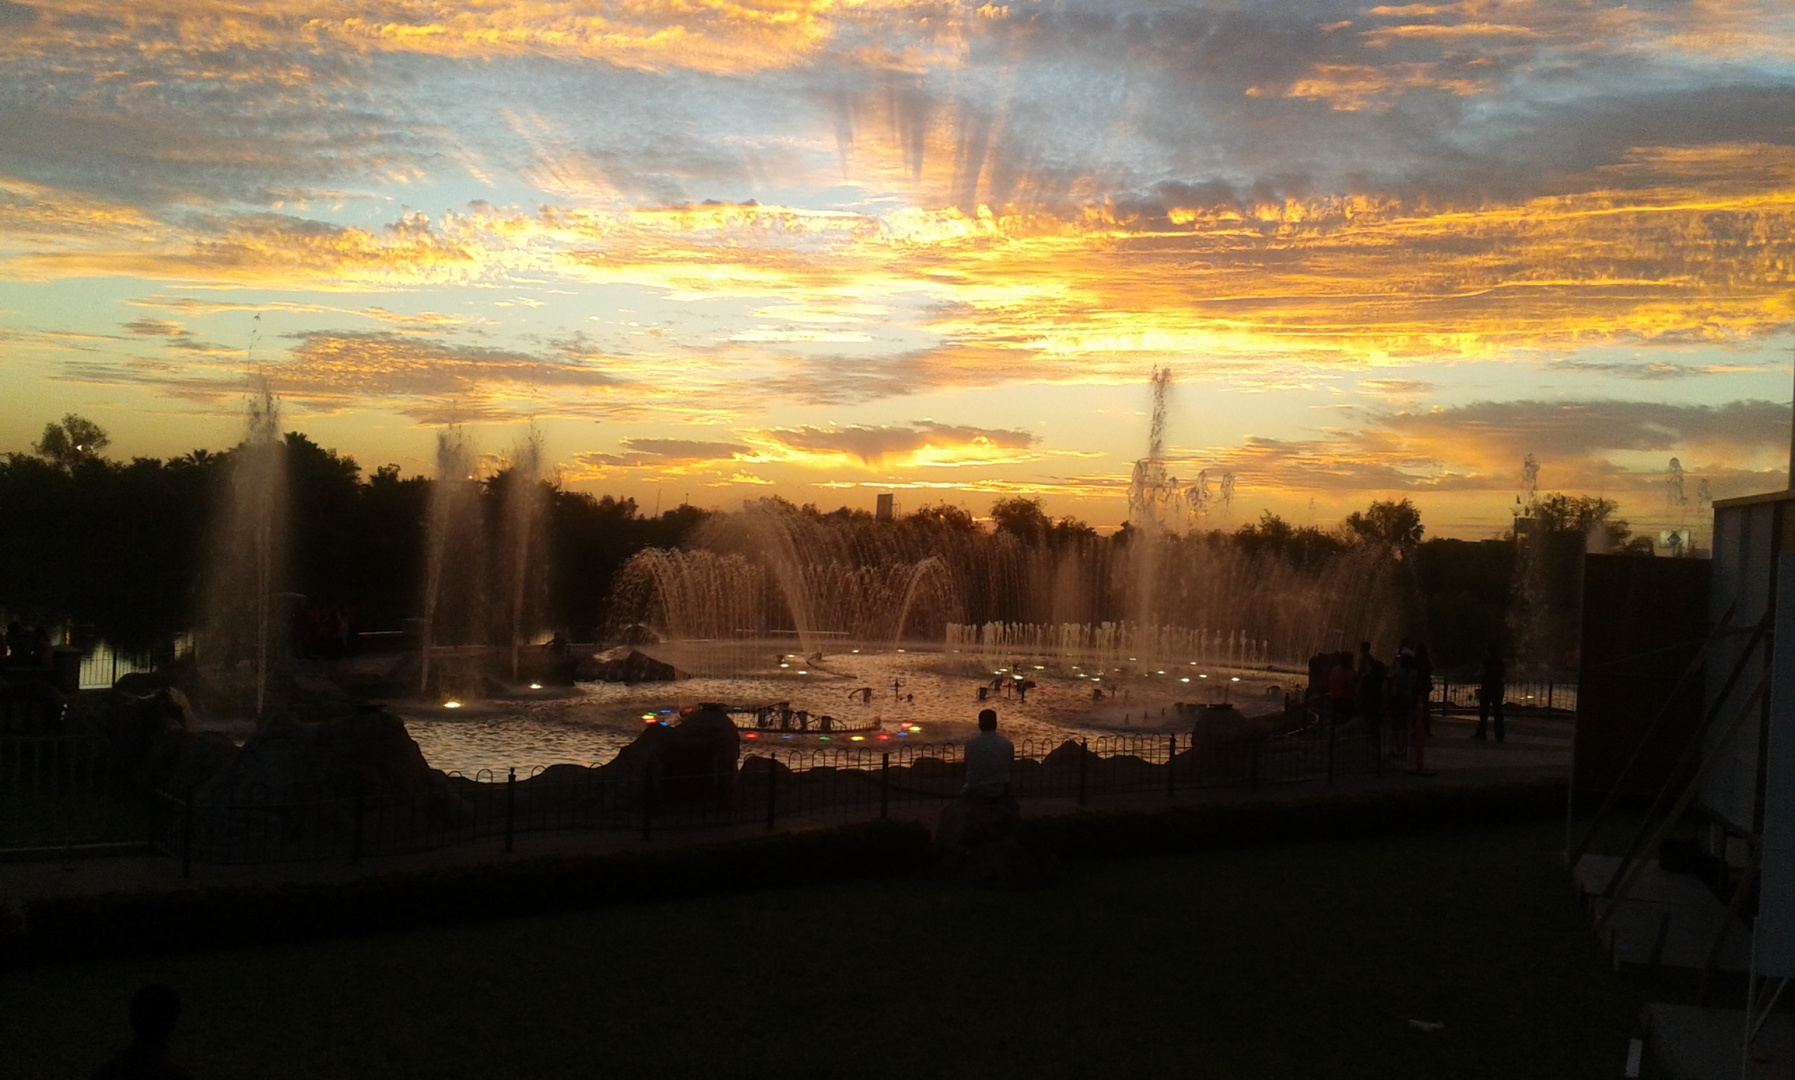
pixel 451 704
pixel 535 686
pixel 1185 679
pixel 858 738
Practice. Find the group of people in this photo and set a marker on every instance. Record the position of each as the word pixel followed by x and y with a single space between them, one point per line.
pixel 1367 688
pixel 28 648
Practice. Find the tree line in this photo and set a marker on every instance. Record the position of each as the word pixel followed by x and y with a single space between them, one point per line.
pixel 121 546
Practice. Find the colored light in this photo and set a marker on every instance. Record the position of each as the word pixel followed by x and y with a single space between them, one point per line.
pixel 900 650
pixel 752 735
pixel 648 716
pixel 858 738
pixel 451 704
pixel 883 737
pixel 822 738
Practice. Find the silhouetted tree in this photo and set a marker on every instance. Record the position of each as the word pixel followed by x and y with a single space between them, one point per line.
pixel 1397 524
pixel 75 440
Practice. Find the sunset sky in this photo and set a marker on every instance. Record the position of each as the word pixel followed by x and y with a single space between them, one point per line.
pixel 716 250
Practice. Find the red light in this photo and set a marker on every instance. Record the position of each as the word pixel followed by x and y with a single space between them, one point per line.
pixel 884 736
pixel 752 735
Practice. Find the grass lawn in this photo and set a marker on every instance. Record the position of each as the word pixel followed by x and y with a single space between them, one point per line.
pixel 1294 961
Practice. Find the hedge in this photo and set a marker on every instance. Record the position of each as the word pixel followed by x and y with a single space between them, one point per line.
pixel 1122 833
pixel 81 927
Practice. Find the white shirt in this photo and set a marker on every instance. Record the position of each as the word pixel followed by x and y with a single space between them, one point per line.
pixel 988 757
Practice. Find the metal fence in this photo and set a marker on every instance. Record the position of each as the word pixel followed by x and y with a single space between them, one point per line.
pixel 60 792
pixel 258 825
pixel 1549 694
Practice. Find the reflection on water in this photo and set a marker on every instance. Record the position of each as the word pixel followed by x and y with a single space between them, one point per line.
pixel 934 691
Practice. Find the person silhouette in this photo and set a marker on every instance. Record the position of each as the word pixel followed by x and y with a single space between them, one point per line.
pixel 154 1010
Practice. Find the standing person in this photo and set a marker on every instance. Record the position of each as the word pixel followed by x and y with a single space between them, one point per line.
pixel 988 759
pixel 1342 688
pixel 1424 679
pixel 1365 659
pixel 1372 675
pixel 1492 688
pixel 154 1010
pixel 1403 689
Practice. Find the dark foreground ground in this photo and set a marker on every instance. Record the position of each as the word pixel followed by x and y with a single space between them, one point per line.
pixel 1292 961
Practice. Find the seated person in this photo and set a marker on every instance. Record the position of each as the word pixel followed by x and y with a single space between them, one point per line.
pixel 988 759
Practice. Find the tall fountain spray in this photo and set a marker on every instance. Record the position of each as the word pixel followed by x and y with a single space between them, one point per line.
pixel 526 516
pixel 454 565
pixel 247 560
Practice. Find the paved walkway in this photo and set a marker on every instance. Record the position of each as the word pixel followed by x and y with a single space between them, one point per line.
pixel 1535 749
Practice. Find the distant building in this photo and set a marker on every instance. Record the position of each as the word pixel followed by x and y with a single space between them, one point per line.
pixel 883 510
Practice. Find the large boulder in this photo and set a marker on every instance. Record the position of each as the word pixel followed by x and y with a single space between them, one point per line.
pixel 293 752
pixel 625 666
pixel 699 765
pixel 691 762
pixel 127 725
pixel 307 787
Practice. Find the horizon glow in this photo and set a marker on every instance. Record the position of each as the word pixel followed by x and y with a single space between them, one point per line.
pixel 820 250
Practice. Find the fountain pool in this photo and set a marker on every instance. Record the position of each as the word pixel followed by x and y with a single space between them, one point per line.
pixel 935 700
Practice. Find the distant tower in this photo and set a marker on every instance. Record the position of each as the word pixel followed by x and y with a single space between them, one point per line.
pixel 882 512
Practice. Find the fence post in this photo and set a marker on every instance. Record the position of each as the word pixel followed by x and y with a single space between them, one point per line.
pixel 1084 766
pixel 360 810
pixel 1172 767
pixel 885 784
pixel 1331 751
pixel 772 791
pixel 1253 767
pixel 510 806
pixel 187 833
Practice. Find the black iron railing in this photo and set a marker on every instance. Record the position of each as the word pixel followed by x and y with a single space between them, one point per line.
pixel 349 823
